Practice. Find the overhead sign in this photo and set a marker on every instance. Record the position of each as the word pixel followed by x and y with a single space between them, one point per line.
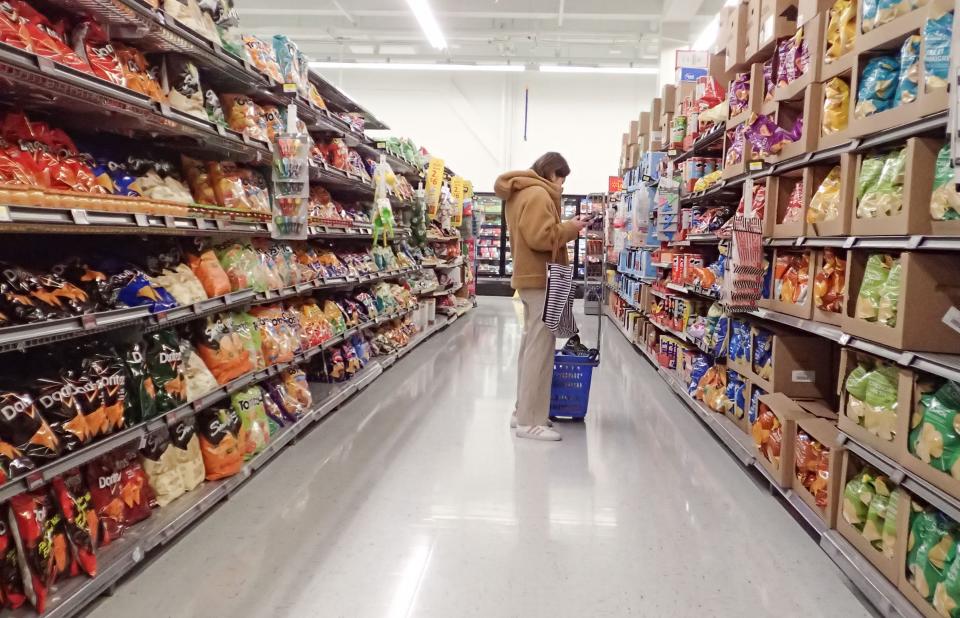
pixel 615 184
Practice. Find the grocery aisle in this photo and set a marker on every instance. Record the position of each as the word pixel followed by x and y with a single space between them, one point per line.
pixel 415 500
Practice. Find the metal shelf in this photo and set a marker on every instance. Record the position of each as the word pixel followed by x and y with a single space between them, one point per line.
pixel 333 96
pixel 893 243
pixel 703 143
pixel 338 180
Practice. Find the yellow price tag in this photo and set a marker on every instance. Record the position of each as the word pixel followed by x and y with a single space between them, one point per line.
pixel 457 193
pixel 433 185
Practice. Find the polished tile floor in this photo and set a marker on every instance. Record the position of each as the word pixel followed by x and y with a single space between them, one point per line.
pixel 415 500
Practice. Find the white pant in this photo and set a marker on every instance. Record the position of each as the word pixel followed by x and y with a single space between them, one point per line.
pixel 535 362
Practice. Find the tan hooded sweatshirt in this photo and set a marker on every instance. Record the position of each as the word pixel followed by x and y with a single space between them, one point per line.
pixel 537 235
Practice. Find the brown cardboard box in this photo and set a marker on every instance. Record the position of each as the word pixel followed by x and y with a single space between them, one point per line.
pixel 626 141
pixel 820 315
pixel 755 94
pixel 634 131
pixel 668 100
pixel 936 99
pixel 683 91
pixel 929 287
pixel 633 156
pixel 779 190
pixel 849 360
pixel 788 413
pixel 644 123
pixel 806 110
pixel 745 163
pixel 825 432
pixel 801 364
pixel 656 110
pixel 735 54
pixel 752 41
pixel 723 31
pixel 890 566
pixel 922 605
pixel 840 226
pixel 838 65
pixel 802 309
pixel 814 30
pixel 808 8
pixel 644 143
pixel 819 408
pixel 914 216
pixel 666 120
pixel 775 19
pixel 891 34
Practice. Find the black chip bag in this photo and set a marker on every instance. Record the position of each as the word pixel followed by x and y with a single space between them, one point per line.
pixel 61 409
pixel 22 426
pixel 164 363
pixel 109 372
pixel 13 463
pixel 140 404
pixel 220 442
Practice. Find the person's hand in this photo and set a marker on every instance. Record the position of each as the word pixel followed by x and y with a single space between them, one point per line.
pixel 582 221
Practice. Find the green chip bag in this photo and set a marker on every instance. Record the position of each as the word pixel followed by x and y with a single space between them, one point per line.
pixel 248 404
pixel 870 170
pixel 932 548
pixel 884 197
pixel 880 403
pixel 246 327
pixel 873 527
pixel 945 201
pixel 890 296
pixel 889 531
pixel 140 404
pixel 936 440
pixel 946 596
pixel 874 275
pixel 857 495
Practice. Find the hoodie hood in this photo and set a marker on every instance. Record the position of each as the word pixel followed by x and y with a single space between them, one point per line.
pixel 511 183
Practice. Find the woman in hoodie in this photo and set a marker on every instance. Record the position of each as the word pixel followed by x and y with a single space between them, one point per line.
pixel 537 236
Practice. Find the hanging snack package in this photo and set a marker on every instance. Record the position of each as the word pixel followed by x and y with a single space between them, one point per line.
pixel 141 394
pixel 186 453
pixel 41 543
pixel 199 380
pixel 909 79
pixel 945 201
pixel 109 372
pixel 165 364
pixel 221 349
pixel 135 492
pixel 22 427
pixel 60 408
pixel 244 116
pixel 248 329
pixel 92 44
pixel 75 505
pixel 261 54
pixel 874 275
pixel 877 86
pixel 937 34
pixel 841 29
pixel 159 463
pixel 138 74
pixel 181 85
pixel 884 196
pixel 829 282
pixel 248 405
pixel 211 105
pixel 220 443
pixel 208 270
pixel 836 106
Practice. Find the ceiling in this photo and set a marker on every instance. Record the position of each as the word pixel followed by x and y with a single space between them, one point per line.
pixel 589 32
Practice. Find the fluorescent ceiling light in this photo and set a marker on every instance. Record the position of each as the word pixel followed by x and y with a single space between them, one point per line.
pixel 428 23
pixel 569 68
pixel 415 66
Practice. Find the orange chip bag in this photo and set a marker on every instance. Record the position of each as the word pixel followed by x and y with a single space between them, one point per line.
pixel 208 270
pixel 221 349
pixel 138 74
pixel 220 442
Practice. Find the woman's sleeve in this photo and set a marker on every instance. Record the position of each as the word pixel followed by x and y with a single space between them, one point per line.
pixel 539 226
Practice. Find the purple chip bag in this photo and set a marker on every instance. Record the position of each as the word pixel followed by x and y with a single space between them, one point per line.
pixel 739 97
pixel 769 79
pixel 735 150
pixel 766 137
pixel 785 68
pixel 278 393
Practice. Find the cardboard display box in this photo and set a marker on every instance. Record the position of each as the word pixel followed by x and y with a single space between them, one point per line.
pixel 634 132
pixel 929 289
pixel 775 20
pixel 936 99
pixel 890 566
pixel 914 215
pixel 779 190
pixel 806 110
pixel 755 95
pixel 814 30
pixel 806 9
pixel 839 65
pixel 801 364
pixel 683 91
pixel 802 309
pixel 735 56
pixel 643 123
pixel 723 30
pixel 827 317
pixel 739 417
pixel 840 226
pixel 886 35
pixel 842 135
pixel 746 162
pixel 825 432
pixel 944 480
pixel 668 101
pixel 849 360
pixel 666 121
pixel 788 413
pixel 656 110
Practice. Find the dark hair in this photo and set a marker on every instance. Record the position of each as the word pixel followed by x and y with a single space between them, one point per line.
pixel 549 164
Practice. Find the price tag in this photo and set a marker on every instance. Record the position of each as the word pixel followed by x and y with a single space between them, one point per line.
pixel 914 241
pixel 5 214
pixel 79 216
pixel 801 240
pixel 906 358
pixel 849 242
pixel 756 166
pixel 88 321
pixel 290 88
pixel 844 339
pixel 34 480
pixel 161 317
pixel 137 554
pixel 672 152
pixel 221 224
pixel 220 130
pixel 141 219
pixel 169 221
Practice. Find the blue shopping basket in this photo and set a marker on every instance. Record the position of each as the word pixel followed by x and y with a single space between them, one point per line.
pixel 570 390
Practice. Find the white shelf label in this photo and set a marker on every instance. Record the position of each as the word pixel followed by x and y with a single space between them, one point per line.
pixel 79 216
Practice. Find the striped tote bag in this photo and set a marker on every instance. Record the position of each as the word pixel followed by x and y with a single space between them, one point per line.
pixel 558 305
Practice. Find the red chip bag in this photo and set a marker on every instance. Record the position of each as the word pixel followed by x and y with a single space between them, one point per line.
pixel 41 542
pixel 91 43
pixel 13 31
pixel 44 40
pixel 11 586
pixel 103 481
pixel 221 442
pixel 18 167
pixel 135 491
pixel 210 273
pixel 80 518
pixel 137 72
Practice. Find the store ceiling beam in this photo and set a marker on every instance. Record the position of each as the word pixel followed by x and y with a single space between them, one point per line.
pixel 484 15
pixel 344 12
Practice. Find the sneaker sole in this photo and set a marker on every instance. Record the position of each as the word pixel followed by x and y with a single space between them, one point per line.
pixel 539 438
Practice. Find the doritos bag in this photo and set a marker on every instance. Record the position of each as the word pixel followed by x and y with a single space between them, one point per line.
pixel 160 465
pixel 165 364
pixel 80 519
pixel 110 374
pixel 187 455
pixel 135 490
pixel 22 426
pixel 103 481
pixel 44 40
pixel 42 544
pixel 13 463
pixel 220 442
pixel 141 404
pixel 221 349
pixel 91 43
pixel 62 411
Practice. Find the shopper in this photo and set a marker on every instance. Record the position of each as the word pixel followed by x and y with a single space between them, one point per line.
pixel 537 236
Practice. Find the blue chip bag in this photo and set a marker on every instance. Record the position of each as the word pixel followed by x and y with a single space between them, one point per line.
pixel 739 346
pixel 138 291
pixel 937 34
pixel 754 411
pixel 869 8
pixel 701 363
pixel 763 353
pixel 719 347
pixel 735 394
pixel 877 86
pixel 288 58
pixel 909 71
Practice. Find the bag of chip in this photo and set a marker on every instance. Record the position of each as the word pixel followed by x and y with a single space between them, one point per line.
pixel 276 343
pixel 909 79
pixel 877 86
pixel 44 40
pixel 90 42
pixel 199 180
pixel 289 406
pixel 138 73
pixel 138 498
pixel 22 426
pixel 244 116
pixel 108 373
pixel 890 296
pixel 241 264
pixel 41 543
pixel 11 584
pixel 936 440
pixel 220 442
pixel 181 85
pixel 888 534
pixel 61 410
pixel 222 349
pixel 199 380
pixel 829 282
pixel 140 404
pixel 933 548
pixel 165 365
pixel 937 35
pixel 79 517
pixel 841 29
pixel 186 454
pixel 275 415
pixel 875 273
pixel 248 405
pixel 295 382
pixel 836 106
pixel 227 185
pixel 945 201
pixel 205 265
pixel 825 204
pixel 211 105
pixel 261 54
pixel 159 464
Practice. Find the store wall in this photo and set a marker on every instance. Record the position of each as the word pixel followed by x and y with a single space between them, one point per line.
pixel 475 120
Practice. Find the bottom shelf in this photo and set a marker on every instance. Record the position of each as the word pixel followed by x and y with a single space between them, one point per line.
pixel 165 524
pixel 884 596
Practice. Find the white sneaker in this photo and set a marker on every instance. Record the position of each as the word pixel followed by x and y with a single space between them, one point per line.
pixel 538 432
pixel 513 421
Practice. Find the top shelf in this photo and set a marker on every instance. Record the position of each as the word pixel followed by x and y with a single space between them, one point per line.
pixel 703 145
pixel 335 97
